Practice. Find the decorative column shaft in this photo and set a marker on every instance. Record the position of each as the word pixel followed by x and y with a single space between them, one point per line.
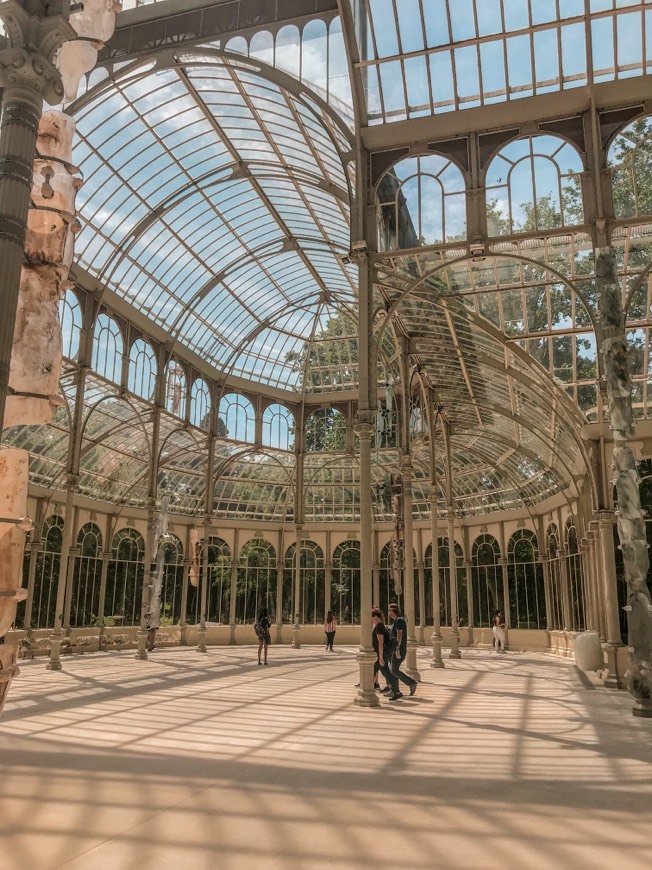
pixel 469 597
pixel 203 598
pixel 631 521
pixel 607 562
pixel 366 696
pixel 411 668
pixel 54 663
pixel 436 639
pixel 27 78
pixel 296 580
pixel 565 591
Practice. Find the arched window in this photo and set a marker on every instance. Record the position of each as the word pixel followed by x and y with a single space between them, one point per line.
pixel 339 84
pixel 278 427
pixel 237 414
pixel 326 430
pixel 256 581
pixel 532 184
pixel 345 583
pixel 487 579
pixel 218 597
pixel 200 405
pixel 421 201
pixel 85 602
pixel 262 46
pixel 311 584
pixel 175 389
pixel 527 603
pixel 142 369
pixel 172 581
pixel 444 582
pixel 555 580
pixel 71 324
pixel 575 578
pixel 630 158
pixel 288 50
pixel 238 44
pixel 314 54
pixel 107 349
pixel 124 582
pixel 48 563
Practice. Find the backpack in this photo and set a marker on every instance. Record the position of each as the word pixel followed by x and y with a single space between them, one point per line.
pixel 260 631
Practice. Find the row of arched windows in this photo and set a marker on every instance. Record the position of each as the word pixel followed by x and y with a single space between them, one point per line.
pixel 531 603
pixel 532 183
pixel 325 428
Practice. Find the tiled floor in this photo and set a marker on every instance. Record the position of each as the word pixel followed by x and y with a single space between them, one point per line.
pixel 208 761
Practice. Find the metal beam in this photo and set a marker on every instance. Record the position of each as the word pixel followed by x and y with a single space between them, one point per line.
pixel 195 21
pixel 417 133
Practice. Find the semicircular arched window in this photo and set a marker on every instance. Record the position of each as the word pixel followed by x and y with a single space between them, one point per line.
pixel 107 349
pixel 200 405
pixel 421 201
pixel 71 324
pixel 326 430
pixel 142 369
pixel 237 419
pixel 630 159
pixel 175 388
pixel 85 601
pixel 533 184
pixel 527 604
pixel 278 427
pixel 487 579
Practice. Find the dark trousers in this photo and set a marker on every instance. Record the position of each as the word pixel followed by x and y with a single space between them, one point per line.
pixel 396 670
pixel 385 670
pixel 330 637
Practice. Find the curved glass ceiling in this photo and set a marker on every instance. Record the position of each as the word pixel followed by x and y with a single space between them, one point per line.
pixel 217 201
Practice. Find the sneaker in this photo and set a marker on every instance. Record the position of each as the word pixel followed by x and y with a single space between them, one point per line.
pixel 385 690
pixel 265 663
pixel 413 688
pixel 376 687
pixel 395 697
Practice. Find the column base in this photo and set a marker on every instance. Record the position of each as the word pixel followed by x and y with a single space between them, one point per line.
pixel 455 645
pixel 436 661
pixel 411 670
pixel 232 641
pixel 201 641
pixel 296 637
pixel 366 696
pixel 54 664
pixel 613 679
pixel 141 652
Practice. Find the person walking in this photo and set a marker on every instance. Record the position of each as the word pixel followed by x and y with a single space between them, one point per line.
pixel 398 632
pixel 499 632
pixel 262 627
pixel 330 626
pixel 383 647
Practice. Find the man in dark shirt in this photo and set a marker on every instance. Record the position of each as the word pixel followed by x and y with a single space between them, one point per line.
pixel 399 635
pixel 378 635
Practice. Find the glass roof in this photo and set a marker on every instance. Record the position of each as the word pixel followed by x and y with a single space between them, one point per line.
pixel 217 202
pixel 423 57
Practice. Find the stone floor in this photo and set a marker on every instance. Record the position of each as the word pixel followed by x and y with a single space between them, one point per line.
pixel 208 761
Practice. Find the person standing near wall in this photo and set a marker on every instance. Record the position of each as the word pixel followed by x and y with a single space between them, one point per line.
pixel 499 632
pixel 330 626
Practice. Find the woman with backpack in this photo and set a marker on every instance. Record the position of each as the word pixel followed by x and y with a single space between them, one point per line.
pixel 262 627
pixel 330 626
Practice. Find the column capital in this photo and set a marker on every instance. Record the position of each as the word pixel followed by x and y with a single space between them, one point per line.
pixel 606 518
pixel 364 430
pixel 29 49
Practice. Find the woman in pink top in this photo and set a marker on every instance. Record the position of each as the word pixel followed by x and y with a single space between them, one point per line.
pixel 330 624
